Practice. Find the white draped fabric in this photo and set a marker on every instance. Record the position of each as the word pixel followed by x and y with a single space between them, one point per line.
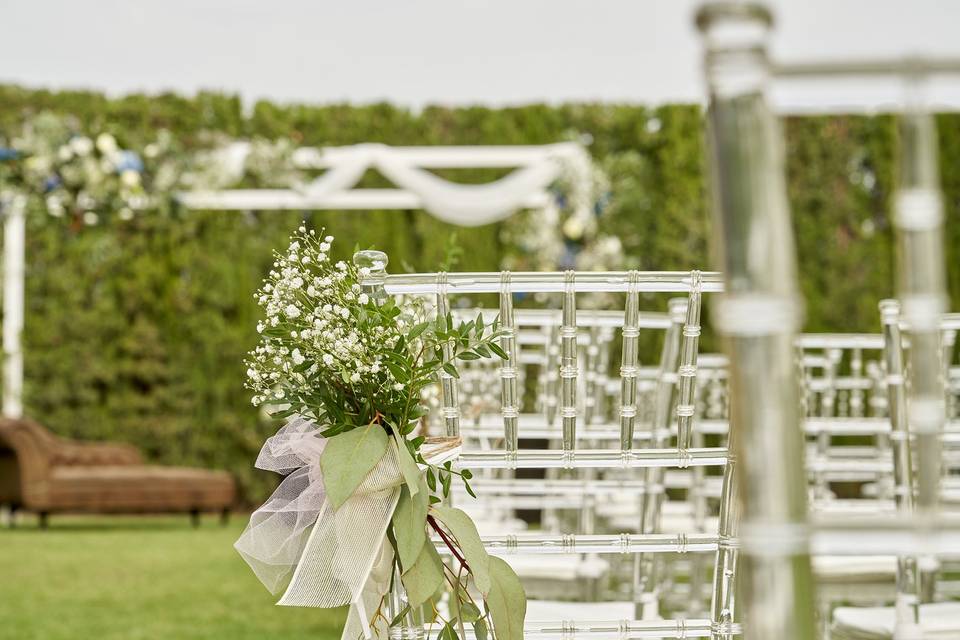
pixel 535 168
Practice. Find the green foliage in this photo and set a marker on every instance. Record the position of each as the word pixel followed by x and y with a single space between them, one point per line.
pixel 425 577
pixel 137 331
pixel 502 594
pixel 464 531
pixel 507 601
pixel 409 523
pixel 348 458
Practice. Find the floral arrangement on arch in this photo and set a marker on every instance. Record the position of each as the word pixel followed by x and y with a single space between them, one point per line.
pixel 565 234
pixel 87 178
pixel 362 510
pixel 80 178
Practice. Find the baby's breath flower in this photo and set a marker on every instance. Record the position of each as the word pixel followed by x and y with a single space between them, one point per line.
pixel 313 333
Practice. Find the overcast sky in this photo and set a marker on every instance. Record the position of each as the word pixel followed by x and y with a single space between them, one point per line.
pixel 415 52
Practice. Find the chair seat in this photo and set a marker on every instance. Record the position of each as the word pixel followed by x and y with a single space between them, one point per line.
pixel 854 568
pixel 558 567
pixel 937 620
pixel 552 610
pixel 132 489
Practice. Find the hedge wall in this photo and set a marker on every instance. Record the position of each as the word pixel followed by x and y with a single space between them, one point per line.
pixel 137 332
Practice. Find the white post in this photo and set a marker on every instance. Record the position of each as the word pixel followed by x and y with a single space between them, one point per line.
pixel 13 206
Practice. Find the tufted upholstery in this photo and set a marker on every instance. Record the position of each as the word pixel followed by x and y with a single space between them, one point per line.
pixel 45 473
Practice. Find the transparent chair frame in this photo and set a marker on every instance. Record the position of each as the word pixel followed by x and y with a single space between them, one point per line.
pixel 750 205
pixel 652 460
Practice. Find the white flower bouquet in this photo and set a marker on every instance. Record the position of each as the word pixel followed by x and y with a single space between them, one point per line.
pixel 362 510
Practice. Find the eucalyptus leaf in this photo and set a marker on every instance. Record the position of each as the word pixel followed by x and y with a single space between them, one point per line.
pixel 408 468
pixel 465 531
pixel 409 523
pixel 445 480
pixel 469 612
pixel 397 618
pixel 480 629
pixel 348 458
pixel 507 601
pixel 423 579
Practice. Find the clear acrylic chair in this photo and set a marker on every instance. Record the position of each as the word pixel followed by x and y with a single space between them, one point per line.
pixel 606 462
pixel 629 510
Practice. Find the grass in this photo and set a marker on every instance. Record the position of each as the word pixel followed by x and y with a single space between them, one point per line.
pixel 140 578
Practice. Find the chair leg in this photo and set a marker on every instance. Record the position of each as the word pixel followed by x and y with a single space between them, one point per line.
pixel 225 517
pixel 44 519
pixel 195 518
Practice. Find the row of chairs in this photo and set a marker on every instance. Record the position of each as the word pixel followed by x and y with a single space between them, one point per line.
pixel 603 476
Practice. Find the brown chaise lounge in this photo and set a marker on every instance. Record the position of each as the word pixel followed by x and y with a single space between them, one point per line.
pixel 46 474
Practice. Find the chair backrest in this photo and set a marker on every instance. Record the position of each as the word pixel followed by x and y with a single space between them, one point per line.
pixel 844 400
pixel 538 353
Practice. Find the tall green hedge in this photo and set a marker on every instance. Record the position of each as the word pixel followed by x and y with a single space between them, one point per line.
pixel 137 332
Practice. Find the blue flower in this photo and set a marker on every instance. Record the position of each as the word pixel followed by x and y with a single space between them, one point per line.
pixel 569 258
pixel 601 204
pixel 129 161
pixel 8 154
pixel 51 183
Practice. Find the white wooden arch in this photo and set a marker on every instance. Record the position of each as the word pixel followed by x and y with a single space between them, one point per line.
pixel 535 169
pixel 416 187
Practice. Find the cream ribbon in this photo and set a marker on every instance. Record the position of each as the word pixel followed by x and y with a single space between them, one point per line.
pixel 326 557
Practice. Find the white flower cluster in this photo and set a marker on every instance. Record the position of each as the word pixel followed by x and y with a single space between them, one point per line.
pixel 311 335
pixel 565 233
pixel 80 177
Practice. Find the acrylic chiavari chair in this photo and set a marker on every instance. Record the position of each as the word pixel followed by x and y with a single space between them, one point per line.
pixel 551 503
pixel 756 250
pixel 605 465
pixel 842 400
pixel 915 611
pixel 683 503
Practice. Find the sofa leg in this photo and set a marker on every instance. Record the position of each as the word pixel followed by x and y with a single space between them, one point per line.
pixel 195 518
pixel 44 519
pixel 224 517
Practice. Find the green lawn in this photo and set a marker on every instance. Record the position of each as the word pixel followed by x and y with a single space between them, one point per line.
pixel 139 579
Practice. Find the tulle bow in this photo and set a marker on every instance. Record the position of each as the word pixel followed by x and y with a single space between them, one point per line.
pixel 316 555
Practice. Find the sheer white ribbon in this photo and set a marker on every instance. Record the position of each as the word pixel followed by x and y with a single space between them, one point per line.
pixel 324 557
pixel 320 556
pixel 471 204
